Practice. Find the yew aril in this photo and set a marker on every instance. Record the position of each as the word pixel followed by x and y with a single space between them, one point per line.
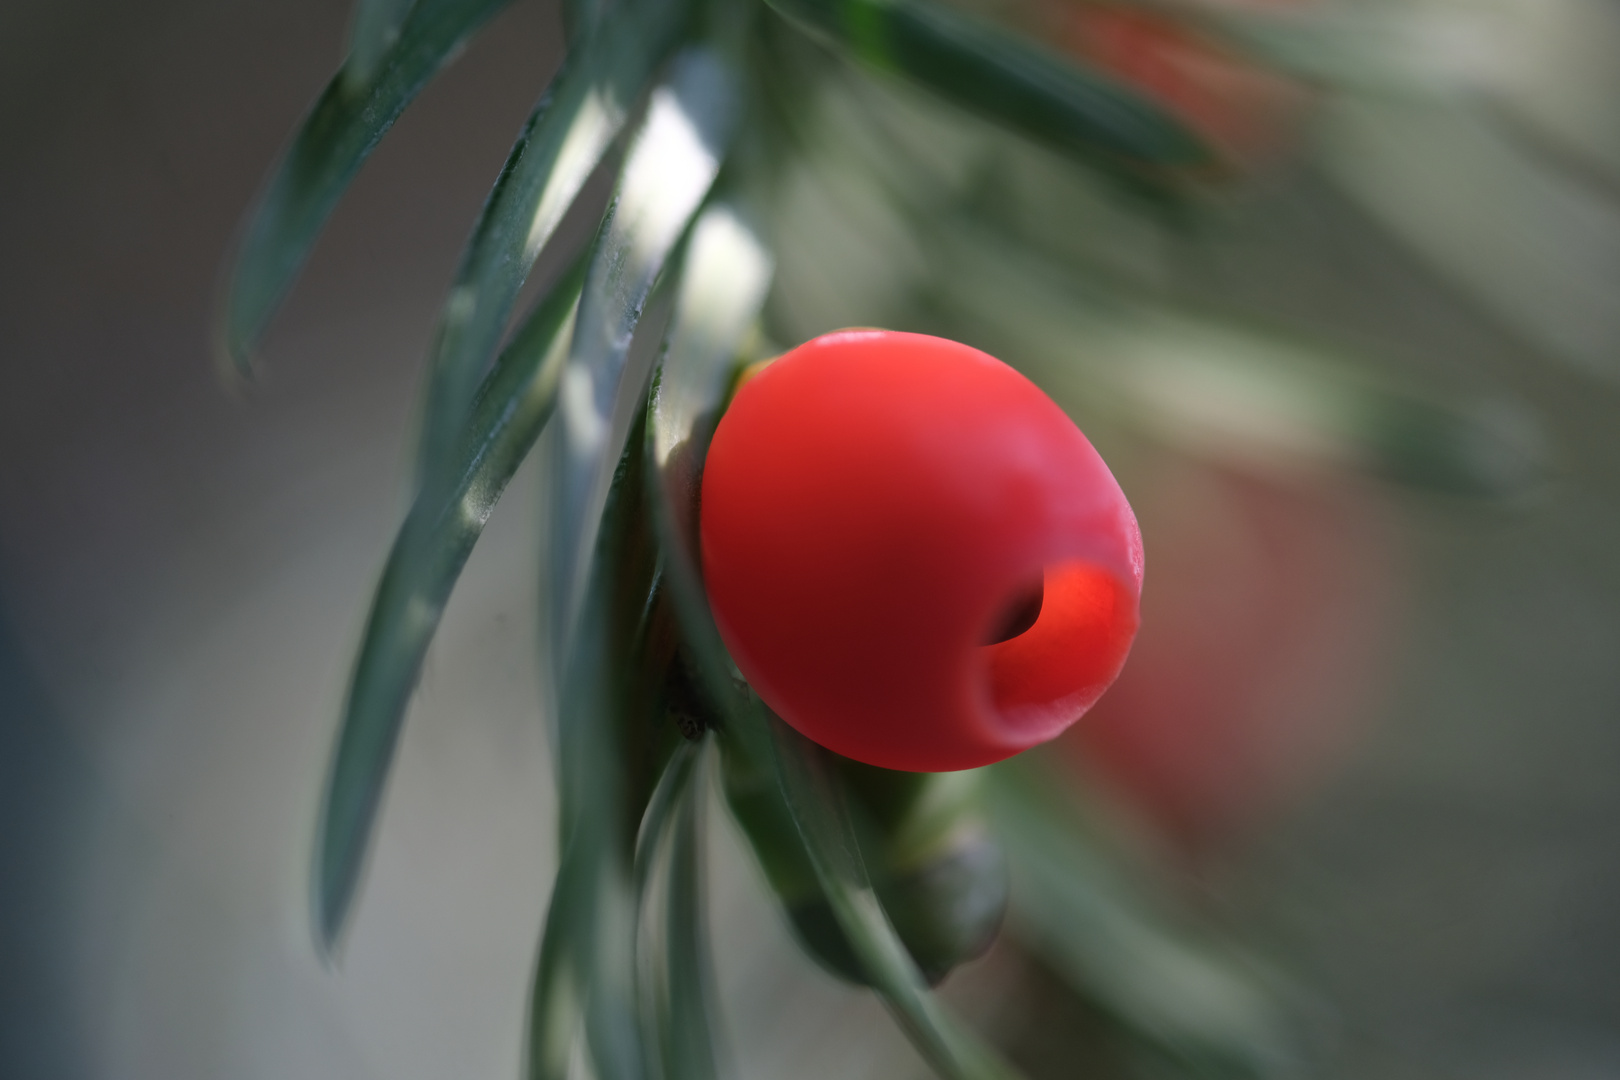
pixel 1272 617
pixel 1243 110
pixel 914 556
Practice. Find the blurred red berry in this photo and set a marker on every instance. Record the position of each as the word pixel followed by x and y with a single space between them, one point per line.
pixel 1272 607
pixel 1243 110
pixel 914 556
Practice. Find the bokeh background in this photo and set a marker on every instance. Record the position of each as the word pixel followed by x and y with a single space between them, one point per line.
pixel 1433 844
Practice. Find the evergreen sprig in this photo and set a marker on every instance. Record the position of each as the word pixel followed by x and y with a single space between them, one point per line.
pixel 683 96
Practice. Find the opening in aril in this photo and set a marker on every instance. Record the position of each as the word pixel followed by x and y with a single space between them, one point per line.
pixel 1047 672
pixel 1020 613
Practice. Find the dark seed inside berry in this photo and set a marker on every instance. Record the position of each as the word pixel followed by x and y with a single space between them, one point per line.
pixel 1020 614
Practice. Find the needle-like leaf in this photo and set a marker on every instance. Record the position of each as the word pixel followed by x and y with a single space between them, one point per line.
pixel 670 165
pixel 564 140
pixel 1535 243
pixel 1010 79
pixel 820 808
pixel 582 970
pixel 377 24
pixel 422 568
pixel 662 809
pixel 343 127
pixel 674 966
pixel 1197 1000
pixel 1221 386
pixel 669 168
pixel 586 968
pixel 687 1017
pixel 724 279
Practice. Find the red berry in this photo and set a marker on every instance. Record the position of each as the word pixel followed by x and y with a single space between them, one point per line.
pixel 879 511
pixel 1270 622
pixel 1243 109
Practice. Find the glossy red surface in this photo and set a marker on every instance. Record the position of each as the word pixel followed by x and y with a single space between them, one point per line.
pixel 873 505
